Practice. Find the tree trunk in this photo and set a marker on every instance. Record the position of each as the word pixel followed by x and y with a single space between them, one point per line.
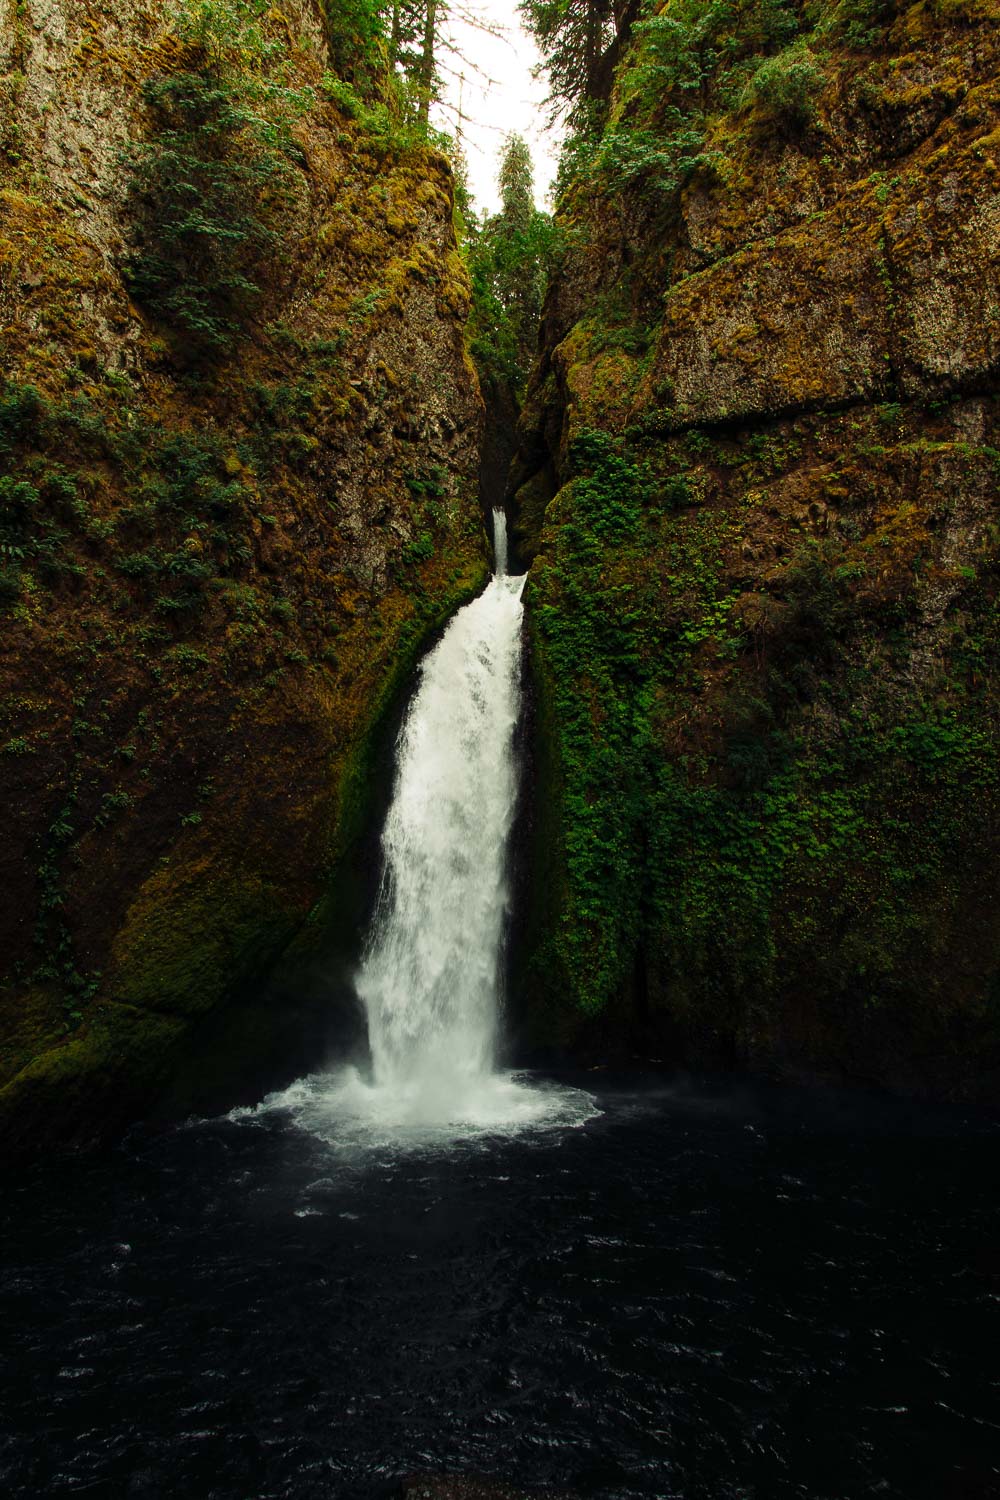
pixel 427 64
pixel 592 58
pixel 396 34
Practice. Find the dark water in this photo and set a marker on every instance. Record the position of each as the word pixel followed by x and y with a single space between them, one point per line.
pixel 697 1294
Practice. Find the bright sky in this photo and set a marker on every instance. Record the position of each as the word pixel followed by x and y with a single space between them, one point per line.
pixel 507 99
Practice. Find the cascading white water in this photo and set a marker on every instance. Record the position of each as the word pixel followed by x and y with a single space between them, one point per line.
pixel 500 548
pixel 430 976
pixel 429 980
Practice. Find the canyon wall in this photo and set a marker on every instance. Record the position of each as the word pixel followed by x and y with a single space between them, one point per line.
pixel 758 477
pixel 214 571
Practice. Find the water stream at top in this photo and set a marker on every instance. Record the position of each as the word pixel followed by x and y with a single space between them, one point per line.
pixel 430 977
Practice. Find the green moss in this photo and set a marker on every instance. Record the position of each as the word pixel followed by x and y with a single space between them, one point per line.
pixel 724 821
pixel 182 575
pixel 90 1084
pixel 196 930
pixel 857 838
pixel 764 595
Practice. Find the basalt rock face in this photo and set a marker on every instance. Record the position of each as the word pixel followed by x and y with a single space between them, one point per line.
pixel 759 475
pixel 213 574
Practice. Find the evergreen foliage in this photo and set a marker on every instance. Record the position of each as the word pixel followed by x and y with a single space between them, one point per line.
pixel 516 182
pixel 580 42
pixel 509 261
pixel 688 61
pixel 356 36
pixel 206 191
pixel 385 74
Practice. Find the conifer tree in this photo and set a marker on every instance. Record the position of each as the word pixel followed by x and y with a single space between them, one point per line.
pixel 509 260
pixel 516 181
pixel 580 42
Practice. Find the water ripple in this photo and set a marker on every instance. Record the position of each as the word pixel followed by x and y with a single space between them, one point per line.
pixel 612 1298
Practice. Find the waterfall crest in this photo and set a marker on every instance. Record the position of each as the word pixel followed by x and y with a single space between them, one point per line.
pixel 430 975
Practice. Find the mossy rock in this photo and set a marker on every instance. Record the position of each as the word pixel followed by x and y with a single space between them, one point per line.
pixel 85 1090
pixel 192 935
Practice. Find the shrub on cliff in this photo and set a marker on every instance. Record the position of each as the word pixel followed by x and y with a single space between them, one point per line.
pixel 609 491
pixel 784 87
pixel 202 222
pixel 206 190
pixel 355 36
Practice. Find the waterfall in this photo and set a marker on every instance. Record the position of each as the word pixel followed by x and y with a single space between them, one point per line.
pixel 500 545
pixel 430 975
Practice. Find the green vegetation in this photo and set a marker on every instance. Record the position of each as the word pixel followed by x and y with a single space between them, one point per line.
pixel 606 643
pixel 200 628
pixel 686 64
pixel 186 523
pixel 356 36
pixel 510 257
pixel 385 71
pixel 580 41
pixel 767 684
pixel 785 86
pixel 388 115
pixel 207 191
pixel 707 862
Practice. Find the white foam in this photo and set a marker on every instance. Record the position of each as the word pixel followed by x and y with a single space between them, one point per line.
pixel 346 1112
